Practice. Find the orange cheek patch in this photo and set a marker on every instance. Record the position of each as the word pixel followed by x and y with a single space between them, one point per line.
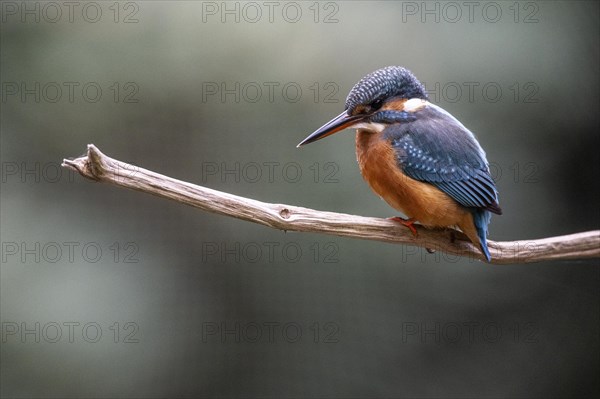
pixel 403 104
pixel 394 105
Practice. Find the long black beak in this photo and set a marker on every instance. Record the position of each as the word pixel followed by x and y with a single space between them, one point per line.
pixel 340 122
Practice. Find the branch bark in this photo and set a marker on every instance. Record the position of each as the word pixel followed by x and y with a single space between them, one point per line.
pixel 97 166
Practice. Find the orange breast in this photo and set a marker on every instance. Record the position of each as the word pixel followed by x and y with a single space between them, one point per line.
pixel 418 200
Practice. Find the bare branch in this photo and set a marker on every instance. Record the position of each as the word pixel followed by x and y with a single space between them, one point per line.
pixel 97 166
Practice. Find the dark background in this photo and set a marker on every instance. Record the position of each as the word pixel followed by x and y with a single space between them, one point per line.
pixel 113 293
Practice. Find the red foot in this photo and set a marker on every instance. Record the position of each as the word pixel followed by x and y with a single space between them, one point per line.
pixel 406 222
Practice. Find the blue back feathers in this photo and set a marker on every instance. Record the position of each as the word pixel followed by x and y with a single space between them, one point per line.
pixel 436 148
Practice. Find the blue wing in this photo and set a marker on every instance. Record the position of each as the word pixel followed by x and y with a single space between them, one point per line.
pixel 434 147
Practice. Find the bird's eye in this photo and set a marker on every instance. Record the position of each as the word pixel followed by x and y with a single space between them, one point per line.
pixel 375 105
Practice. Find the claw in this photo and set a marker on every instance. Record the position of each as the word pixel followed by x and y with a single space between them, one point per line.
pixel 408 223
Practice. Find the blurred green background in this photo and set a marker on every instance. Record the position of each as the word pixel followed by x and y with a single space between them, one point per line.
pixel 107 292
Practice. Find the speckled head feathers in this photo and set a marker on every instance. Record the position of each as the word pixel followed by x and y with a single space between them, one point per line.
pixel 392 81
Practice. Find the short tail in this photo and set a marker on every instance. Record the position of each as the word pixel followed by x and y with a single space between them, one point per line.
pixel 481 219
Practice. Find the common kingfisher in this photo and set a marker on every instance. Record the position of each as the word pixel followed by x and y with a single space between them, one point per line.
pixel 416 156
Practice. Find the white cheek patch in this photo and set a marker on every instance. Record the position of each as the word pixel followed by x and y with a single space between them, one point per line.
pixel 370 126
pixel 414 104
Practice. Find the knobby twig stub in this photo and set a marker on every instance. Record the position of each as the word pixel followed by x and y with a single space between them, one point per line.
pixel 97 166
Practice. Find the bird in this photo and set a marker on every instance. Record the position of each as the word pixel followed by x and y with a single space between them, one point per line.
pixel 416 156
